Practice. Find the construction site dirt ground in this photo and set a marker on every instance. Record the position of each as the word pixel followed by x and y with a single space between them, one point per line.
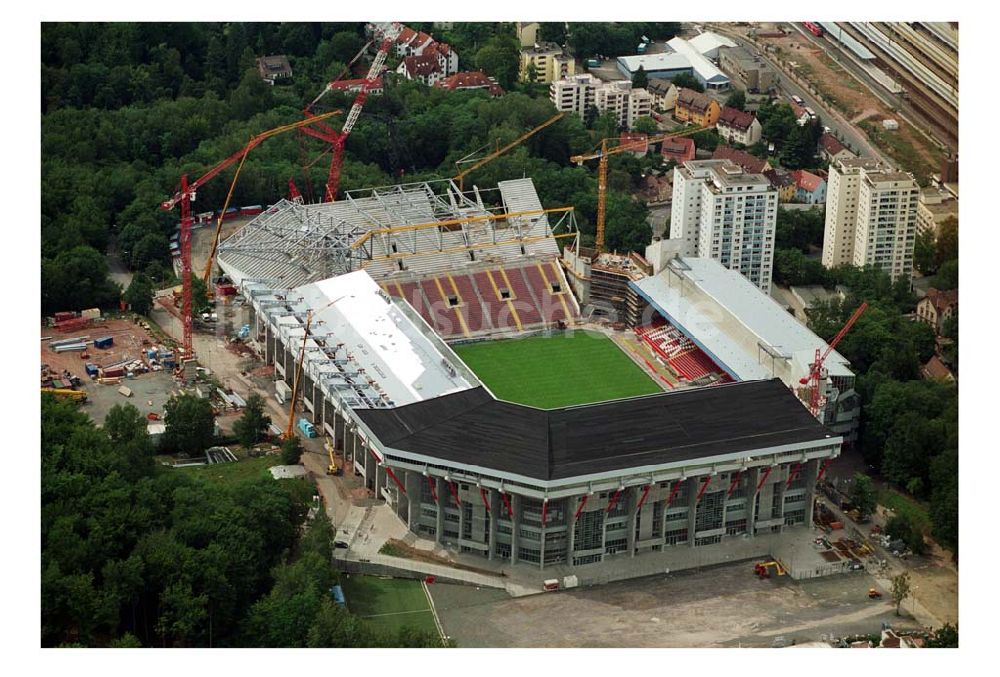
pixel 128 344
pixel 852 98
pixel 725 606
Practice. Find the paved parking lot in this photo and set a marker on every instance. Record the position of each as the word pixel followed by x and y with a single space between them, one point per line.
pixel 155 387
pixel 718 607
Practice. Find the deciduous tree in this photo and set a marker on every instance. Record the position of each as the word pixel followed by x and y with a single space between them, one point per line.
pixel 252 426
pixel 862 494
pixel 900 589
pixel 190 424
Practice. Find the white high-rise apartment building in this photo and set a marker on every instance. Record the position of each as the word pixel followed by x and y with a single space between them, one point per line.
pixel 887 222
pixel 685 206
pixel 842 209
pixel 723 213
pixel 578 92
pixel 871 217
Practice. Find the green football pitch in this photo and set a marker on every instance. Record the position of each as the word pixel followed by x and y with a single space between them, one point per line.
pixel 389 603
pixel 558 370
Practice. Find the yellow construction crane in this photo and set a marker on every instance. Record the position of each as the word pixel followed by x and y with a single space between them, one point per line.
pixel 500 151
pixel 602 172
pixel 290 428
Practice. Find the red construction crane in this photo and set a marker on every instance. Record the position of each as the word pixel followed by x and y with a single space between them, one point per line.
pixel 338 139
pixel 187 193
pixel 816 402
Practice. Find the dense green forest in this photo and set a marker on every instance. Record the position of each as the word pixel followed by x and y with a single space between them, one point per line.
pixel 128 108
pixel 138 555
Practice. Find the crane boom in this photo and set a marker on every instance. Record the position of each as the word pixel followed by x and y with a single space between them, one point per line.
pixel 497 153
pixel 602 172
pixel 337 140
pixel 816 368
pixel 186 194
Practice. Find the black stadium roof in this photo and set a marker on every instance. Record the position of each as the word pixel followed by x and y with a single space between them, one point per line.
pixel 472 428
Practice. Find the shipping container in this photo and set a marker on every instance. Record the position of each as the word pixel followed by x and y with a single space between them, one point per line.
pixel 126 391
pixel 72 324
pixel 104 342
pixel 114 372
pixel 251 210
pixel 64 315
pixel 92 370
pixel 91 313
pixel 307 428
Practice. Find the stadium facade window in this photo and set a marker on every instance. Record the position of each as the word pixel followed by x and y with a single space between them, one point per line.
pixel 586 559
pixel 529 555
pixel 677 537
pixel 616 545
pixel 709 513
pixel 707 540
pixel 736 527
pixel 502 550
pixel 589 530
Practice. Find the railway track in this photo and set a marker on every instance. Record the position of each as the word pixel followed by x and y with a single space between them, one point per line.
pixel 919 102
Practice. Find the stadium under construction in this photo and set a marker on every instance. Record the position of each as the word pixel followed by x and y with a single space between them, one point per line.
pixel 373 290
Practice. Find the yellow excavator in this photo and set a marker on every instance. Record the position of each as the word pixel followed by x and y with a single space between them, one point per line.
pixel 333 468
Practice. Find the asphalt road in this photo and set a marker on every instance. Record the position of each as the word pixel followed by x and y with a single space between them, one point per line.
pixel 847 132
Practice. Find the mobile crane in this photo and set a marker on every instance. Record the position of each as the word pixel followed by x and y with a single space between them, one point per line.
pixel 187 193
pixel 816 372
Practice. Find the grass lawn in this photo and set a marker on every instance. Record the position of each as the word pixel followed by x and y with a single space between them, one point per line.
pixel 389 603
pixel 890 498
pixel 557 371
pixel 234 473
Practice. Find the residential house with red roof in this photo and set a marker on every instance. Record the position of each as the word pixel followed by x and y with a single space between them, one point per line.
pixel 737 126
pixel 809 188
pixel 831 149
pixel 354 86
pixel 936 369
pixel 692 106
pixel 471 80
pixel 424 59
pixel 750 163
pixel 678 149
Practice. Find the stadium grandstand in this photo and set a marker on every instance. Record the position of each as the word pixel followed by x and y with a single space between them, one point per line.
pixel 744 332
pixel 373 291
